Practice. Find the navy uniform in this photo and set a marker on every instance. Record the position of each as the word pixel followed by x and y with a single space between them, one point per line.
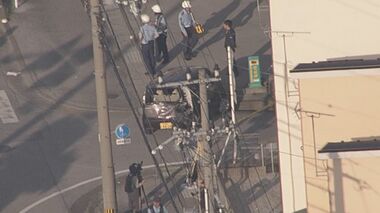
pixel 230 41
pixel 162 29
pixel 186 24
pixel 147 35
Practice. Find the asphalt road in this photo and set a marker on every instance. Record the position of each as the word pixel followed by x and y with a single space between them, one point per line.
pixel 54 145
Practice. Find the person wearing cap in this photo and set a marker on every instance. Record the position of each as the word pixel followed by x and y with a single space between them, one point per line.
pixel 157 207
pixel 187 23
pixel 148 35
pixel 162 29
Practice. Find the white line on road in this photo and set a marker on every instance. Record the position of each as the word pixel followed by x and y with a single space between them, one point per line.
pixel 42 200
pixel 7 114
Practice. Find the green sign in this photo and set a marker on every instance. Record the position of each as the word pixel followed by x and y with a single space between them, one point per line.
pixel 254 72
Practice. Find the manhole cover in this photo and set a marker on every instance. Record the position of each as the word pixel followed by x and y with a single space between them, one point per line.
pixel 5 148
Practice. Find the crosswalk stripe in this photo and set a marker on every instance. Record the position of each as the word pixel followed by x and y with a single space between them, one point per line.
pixel 7 114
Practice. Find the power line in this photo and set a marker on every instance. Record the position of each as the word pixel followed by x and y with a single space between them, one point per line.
pixel 121 83
pixel 135 89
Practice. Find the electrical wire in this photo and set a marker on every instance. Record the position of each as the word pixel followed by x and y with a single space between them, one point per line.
pixel 138 47
pixel 145 139
pixel 208 65
pixel 129 101
pixel 150 125
pixel 284 152
pixel 172 39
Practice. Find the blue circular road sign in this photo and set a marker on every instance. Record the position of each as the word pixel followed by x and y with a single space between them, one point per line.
pixel 122 131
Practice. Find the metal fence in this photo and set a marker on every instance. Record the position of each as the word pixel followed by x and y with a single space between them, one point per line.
pixel 253 152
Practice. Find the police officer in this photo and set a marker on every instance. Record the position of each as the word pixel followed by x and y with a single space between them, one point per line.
pixel 147 35
pixel 186 23
pixel 162 30
pixel 230 41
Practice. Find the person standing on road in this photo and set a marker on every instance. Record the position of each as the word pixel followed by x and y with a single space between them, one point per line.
pixel 147 35
pixel 157 207
pixel 132 188
pixel 162 29
pixel 230 41
pixel 187 23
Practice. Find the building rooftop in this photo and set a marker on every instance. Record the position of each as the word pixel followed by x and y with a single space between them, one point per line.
pixel 337 65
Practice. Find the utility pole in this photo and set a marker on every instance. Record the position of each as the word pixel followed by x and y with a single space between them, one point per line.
pixel 232 97
pixel 206 159
pixel 108 173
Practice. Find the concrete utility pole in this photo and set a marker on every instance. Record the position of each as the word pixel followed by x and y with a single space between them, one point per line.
pixel 108 173
pixel 206 159
pixel 232 97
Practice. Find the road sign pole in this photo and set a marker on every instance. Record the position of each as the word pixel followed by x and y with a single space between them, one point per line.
pixel 107 168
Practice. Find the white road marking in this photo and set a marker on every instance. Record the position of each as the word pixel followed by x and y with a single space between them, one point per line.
pixel 42 200
pixel 7 114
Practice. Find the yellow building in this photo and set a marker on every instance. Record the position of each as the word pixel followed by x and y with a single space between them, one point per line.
pixel 327 88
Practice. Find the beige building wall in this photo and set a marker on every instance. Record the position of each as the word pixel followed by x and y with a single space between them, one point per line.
pixel 303 32
pixel 343 108
pixel 356 181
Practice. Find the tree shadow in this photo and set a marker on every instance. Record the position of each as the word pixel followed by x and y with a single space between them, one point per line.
pixel 47 60
pixel 216 21
pixel 174 182
pixel 4 37
pixel 259 189
pixel 263 120
pixel 32 165
pixel 65 70
pixel 238 21
pixel 41 182
pixel 241 198
pixel 219 17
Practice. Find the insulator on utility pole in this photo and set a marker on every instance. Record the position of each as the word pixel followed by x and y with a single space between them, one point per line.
pixel 107 167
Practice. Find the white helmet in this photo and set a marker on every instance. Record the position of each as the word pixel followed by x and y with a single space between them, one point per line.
pixel 145 18
pixel 186 4
pixel 156 8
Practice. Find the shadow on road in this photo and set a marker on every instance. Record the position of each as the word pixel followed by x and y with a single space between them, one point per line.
pixel 40 154
pixel 53 141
